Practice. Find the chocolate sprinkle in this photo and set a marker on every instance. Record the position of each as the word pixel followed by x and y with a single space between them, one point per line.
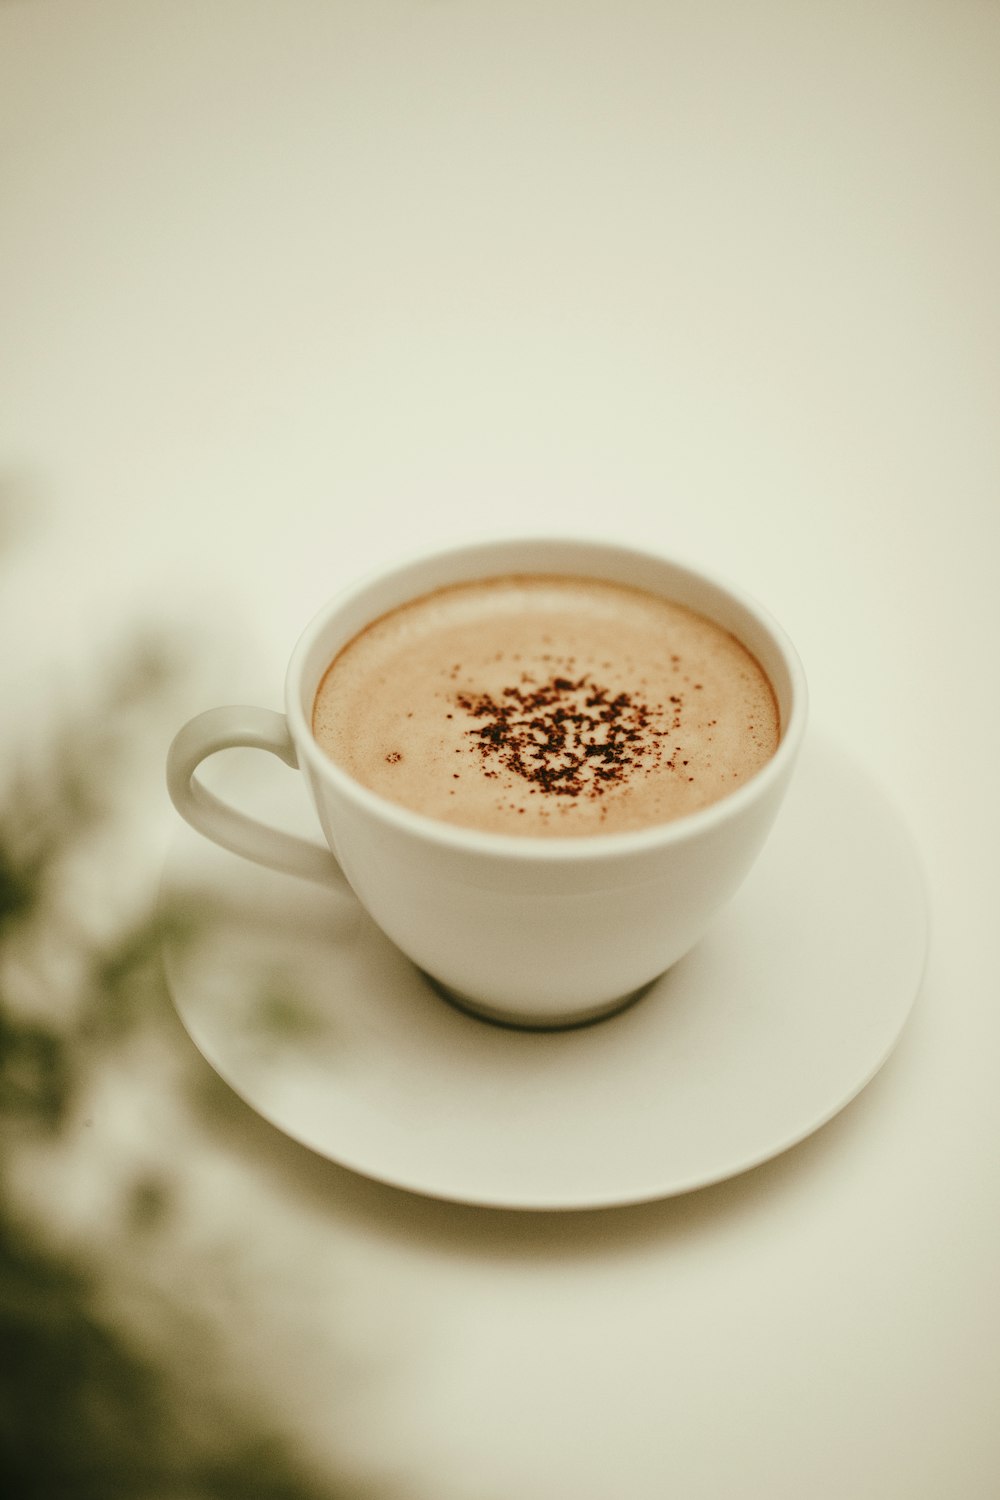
pixel 568 738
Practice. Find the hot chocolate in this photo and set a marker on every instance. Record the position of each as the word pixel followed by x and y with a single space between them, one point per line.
pixel 547 706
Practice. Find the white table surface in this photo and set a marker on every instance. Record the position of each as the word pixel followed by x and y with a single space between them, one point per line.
pixel 287 290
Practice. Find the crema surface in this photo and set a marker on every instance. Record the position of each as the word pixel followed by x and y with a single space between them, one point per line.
pixel 547 706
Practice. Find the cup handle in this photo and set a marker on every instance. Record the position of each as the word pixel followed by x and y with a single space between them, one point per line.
pixel 226 729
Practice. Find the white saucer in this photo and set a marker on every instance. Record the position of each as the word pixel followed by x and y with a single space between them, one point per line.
pixel 774 1023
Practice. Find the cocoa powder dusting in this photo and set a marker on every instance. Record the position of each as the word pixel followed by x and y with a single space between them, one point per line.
pixel 569 738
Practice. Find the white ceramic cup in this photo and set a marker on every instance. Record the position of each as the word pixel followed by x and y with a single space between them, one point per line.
pixel 531 932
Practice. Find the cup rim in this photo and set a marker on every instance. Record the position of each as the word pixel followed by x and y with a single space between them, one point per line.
pixel 535 848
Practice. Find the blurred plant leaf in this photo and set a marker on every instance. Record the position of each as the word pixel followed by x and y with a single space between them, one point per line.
pixel 35 1075
pixel 87 1410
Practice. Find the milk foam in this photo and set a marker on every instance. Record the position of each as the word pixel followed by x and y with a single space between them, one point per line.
pixel 547 706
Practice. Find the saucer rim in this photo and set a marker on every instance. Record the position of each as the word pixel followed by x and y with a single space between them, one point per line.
pixel 545 1200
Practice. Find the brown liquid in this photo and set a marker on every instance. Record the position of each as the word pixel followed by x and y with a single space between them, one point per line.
pixel 547 706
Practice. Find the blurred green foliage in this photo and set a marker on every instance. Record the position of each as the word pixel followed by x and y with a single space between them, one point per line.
pixel 87 1410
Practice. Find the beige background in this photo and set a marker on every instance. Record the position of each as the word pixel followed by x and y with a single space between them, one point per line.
pixel 289 289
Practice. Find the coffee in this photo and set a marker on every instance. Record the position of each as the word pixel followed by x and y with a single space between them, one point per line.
pixel 547 706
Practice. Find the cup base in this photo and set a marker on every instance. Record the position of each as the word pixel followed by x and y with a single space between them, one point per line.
pixel 517 1021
